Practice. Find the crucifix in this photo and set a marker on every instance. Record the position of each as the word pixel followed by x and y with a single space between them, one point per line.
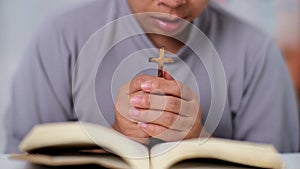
pixel 161 60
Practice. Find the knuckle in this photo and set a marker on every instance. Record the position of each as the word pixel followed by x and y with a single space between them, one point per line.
pixel 156 83
pixel 168 119
pixel 146 100
pixel 151 130
pixel 177 87
pixel 135 83
pixel 143 78
pixel 155 130
pixel 175 104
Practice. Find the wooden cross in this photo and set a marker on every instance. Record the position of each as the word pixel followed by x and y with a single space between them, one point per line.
pixel 161 60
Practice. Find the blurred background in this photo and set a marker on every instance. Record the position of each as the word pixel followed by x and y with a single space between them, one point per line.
pixel 19 19
pixel 280 19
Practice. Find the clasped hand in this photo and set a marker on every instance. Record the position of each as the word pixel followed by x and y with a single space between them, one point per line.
pixel 161 108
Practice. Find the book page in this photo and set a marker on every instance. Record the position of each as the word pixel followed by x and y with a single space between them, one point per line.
pixel 85 135
pixel 105 160
pixel 258 155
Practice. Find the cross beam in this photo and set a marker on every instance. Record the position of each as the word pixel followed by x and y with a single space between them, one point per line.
pixel 161 60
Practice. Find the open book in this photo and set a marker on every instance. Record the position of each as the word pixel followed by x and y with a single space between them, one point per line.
pixel 79 143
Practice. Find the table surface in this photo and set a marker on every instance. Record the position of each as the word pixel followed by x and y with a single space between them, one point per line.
pixel 292 162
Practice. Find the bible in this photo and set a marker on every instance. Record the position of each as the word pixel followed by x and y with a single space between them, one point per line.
pixel 82 143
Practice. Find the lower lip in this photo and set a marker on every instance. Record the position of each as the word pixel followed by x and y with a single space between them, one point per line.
pixel 168 26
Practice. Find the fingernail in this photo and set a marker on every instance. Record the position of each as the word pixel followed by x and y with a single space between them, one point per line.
pixel 147 86
pixel 134 112
pixel 143 125
pixel 136 100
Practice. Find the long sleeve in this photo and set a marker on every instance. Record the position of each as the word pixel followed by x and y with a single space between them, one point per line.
pixel 41 87
pixel 268 110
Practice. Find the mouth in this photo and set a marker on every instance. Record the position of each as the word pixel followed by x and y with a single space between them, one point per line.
pixel 169 23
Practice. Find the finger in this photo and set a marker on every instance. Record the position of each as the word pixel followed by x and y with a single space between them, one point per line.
pixel 129 128
pixel 162 133
pixel 163 118
pixel 157 102
pixel 164 103
pixel 121 103
pixel 168 87
pixel 135 83
pixel 140 136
